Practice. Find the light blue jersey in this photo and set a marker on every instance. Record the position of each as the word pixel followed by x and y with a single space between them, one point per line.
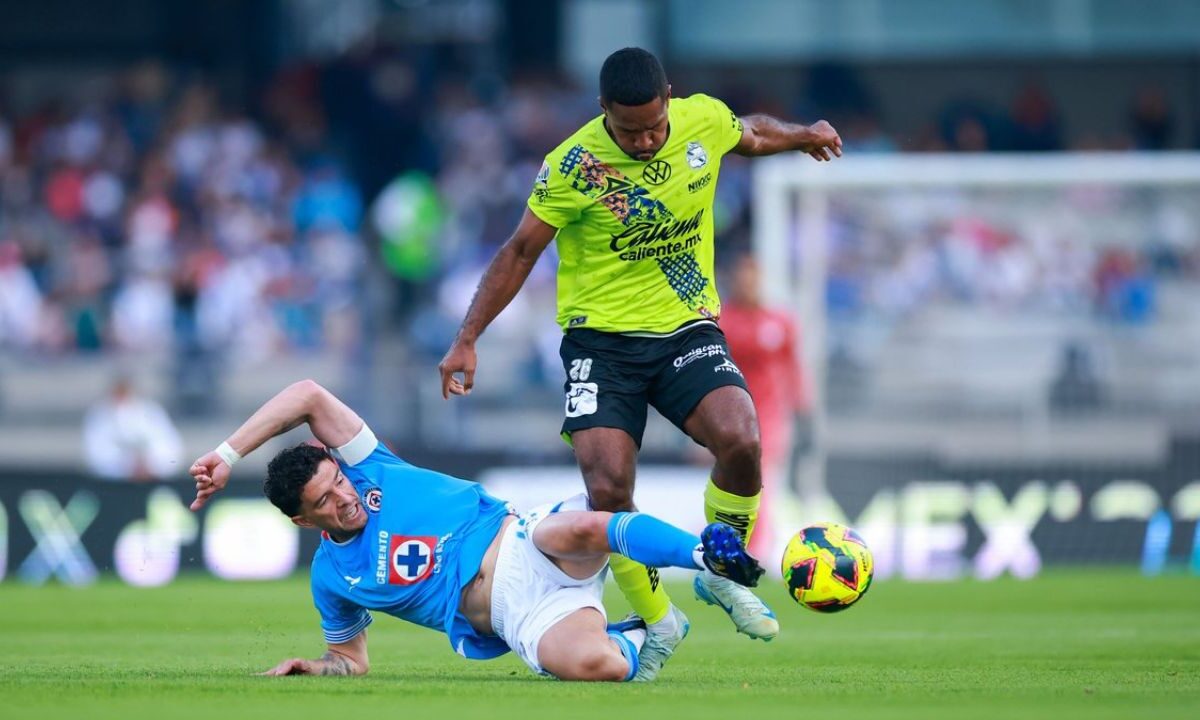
pixel 425 538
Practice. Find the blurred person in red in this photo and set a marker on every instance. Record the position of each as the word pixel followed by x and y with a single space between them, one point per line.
pixel 764 342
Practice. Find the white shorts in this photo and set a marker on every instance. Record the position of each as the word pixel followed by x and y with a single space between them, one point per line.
pixel 530 593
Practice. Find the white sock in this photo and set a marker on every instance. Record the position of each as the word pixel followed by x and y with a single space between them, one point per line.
pixel 698 558
pixel 637 636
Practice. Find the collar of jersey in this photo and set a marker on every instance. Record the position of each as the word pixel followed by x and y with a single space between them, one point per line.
pixel 325 534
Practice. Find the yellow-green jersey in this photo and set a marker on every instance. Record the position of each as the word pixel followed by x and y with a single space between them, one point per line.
pixel 635 238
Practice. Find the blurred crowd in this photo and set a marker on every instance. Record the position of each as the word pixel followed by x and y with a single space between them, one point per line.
pixel 158 217
pixel 1072 250
pixel 162 215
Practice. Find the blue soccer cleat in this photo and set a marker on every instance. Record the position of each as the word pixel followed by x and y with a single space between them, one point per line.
pixel 730 568
pixel 725 555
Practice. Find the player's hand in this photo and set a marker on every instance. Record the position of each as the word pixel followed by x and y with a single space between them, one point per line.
pixel 211 474
pixel 823 143
pixel 291 666
pixel 460 358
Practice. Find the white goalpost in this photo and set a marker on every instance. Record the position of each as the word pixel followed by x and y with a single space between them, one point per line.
pixel 805 213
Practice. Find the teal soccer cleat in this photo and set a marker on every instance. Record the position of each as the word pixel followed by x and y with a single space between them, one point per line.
pixel 659 648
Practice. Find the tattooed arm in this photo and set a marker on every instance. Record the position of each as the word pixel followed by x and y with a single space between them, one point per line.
pixel 348 658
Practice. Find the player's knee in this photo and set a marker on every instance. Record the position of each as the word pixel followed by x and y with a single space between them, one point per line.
pixel 589 531
pixel 740 447
pixel 605 494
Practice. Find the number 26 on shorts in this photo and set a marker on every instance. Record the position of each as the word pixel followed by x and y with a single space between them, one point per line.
pixel 580 369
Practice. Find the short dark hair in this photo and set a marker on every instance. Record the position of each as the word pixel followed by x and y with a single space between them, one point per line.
pixel 632 76
pixel 288 473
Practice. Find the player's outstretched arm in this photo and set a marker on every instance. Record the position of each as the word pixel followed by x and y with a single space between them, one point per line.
pixel 348 658
pixel 503 278
pixel 332 422
pixel 765 135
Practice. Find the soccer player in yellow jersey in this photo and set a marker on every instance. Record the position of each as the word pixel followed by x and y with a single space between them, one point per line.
pixel 629 200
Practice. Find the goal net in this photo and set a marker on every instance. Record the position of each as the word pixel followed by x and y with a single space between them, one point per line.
pixel 1003 353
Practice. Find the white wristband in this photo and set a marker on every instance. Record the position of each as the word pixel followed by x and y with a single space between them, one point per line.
pixel 228 454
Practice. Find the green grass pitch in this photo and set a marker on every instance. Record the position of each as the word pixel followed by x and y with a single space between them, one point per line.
pixel 1095 644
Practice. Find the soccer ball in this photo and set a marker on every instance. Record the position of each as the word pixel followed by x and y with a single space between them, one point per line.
pixel 827 567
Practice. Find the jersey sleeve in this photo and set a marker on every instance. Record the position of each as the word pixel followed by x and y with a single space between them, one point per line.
pixel 341 621
pixel 364 460
pixel 724 126
pixel 358 449
pixel 553 199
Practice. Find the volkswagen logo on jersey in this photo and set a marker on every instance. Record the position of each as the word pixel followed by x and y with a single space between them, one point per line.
pixel 374 499
pixel 411 559
pixel 657 172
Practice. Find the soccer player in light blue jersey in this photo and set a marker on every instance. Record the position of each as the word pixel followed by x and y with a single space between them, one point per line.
pixel 443 553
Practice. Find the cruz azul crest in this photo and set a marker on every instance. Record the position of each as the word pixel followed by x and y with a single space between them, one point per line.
pixel 410 559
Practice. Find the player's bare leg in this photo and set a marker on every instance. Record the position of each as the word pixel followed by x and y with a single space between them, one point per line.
pixel 580 647
pixel 607 458
pixel 577 542
pixel 726 423
pixel 580 542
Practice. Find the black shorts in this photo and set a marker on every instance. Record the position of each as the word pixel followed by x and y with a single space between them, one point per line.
pixel 611 378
